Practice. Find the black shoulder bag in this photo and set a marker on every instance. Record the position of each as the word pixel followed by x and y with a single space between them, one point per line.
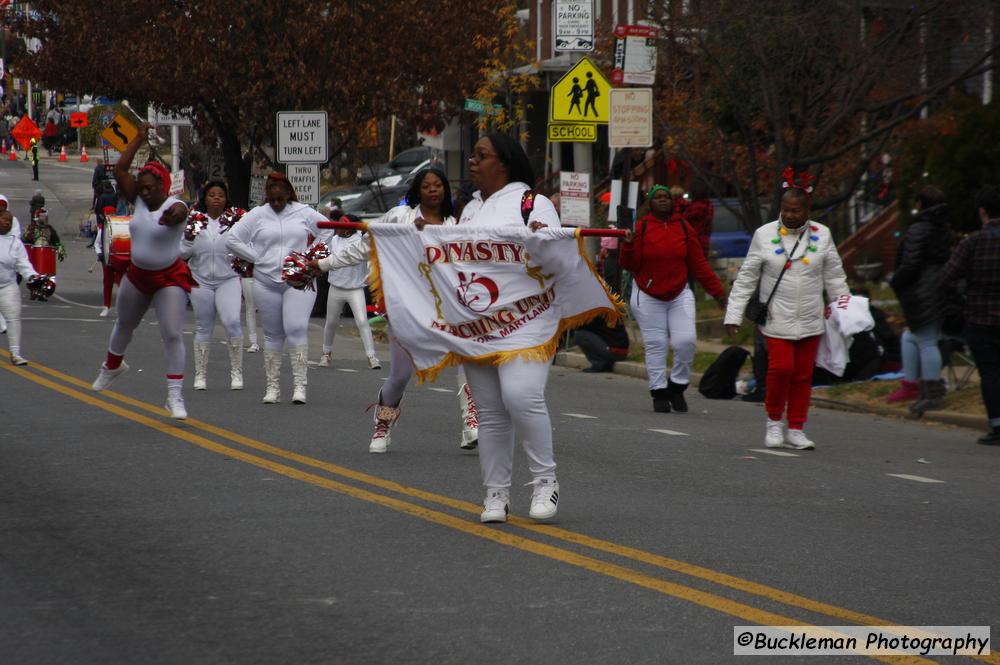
pixel 757 311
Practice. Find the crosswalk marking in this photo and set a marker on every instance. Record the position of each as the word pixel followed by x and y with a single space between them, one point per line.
pixel 344 369
pixel 578 415
pixel 918 479
pixel 776 453
pixel 440 390
pixel 669 432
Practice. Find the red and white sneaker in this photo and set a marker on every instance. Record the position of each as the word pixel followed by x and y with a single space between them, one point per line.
pixel 470 418
pixel 385 418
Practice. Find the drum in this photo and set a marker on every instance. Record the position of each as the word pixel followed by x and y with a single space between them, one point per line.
pixel 43 259
pixel 116 241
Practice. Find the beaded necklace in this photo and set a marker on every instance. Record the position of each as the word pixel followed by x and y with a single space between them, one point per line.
pixel 782 232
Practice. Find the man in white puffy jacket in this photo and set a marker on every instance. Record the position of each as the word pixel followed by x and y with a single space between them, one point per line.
pixel 804 250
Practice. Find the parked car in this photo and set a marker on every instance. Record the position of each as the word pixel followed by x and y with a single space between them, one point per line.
pixel 402 163
pixel 368 201
pixel 730 237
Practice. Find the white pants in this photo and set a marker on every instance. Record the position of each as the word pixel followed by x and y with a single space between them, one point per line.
pixel 284 313
pixel 170 304
pixel 511 398
pixel 10 309
pixel 335 301
pixel 247 285
pixel 223 299
pixel 663 322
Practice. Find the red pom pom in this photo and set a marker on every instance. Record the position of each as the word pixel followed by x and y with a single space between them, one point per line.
pixel 229 217
pixel 196 222
pixel 295 269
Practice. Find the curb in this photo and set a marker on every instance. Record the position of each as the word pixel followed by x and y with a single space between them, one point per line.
pixel 638 371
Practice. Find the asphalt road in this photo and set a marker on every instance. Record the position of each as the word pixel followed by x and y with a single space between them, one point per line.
pixel 256 533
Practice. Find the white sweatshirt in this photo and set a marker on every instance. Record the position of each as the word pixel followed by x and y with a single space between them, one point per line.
pixel 13 259
pixel 265 237
pixel 207 256
pixel 504 208
pixel 348 277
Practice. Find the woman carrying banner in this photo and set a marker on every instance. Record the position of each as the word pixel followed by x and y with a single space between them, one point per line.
pixel 663 254
pixel 428 201
pixel 794 260
pixel 510 396
pixel 265 236
pixel 156 275
pixel 204 248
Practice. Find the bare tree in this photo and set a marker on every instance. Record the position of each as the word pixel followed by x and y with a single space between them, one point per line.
pixel 747 87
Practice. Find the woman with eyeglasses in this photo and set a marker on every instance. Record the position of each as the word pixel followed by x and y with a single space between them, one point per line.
pixel 510 397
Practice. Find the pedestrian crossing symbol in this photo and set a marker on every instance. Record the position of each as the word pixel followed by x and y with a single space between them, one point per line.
pixel 581 95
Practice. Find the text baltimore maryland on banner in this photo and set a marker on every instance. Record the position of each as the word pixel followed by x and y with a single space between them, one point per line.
pixel 483 294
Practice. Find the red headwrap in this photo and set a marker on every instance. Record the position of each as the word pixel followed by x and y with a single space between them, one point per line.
pixel 160 171
pixel 281 177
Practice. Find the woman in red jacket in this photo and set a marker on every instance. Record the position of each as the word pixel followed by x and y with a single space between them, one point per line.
pixel 661 255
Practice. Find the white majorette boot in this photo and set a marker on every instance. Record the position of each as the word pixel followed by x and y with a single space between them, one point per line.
pixel 385 418
pixel 272 370
pixel 470 418
pixel 236 363
pixel 201 351
pixel 299 356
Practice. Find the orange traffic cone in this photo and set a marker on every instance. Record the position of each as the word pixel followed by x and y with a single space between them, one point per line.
pixel 83 154
pixel 13 155
pixel 62 154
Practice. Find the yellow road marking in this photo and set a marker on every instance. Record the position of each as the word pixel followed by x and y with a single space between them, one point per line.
pixel 705 599
pixel 547 530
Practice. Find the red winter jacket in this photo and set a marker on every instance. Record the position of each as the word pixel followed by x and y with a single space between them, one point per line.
pixel 662 254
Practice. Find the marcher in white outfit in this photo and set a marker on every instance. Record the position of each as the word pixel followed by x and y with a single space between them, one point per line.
pixel 155 277
pixel 219 286
pixel 347 286
pixel 265 236
pixel 428 202
pixel 13 261
pixel 15 231
pixel 511 397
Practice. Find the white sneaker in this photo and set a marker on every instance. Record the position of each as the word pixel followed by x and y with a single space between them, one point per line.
pixel 373 363
pixel 495 506
pixel 324 360
pixel 104 312
pixel 797 439
pixel 108 376
pixel 175 406
pixel 775 436
pixel 544 499
pixel 18 360
pixel 253 348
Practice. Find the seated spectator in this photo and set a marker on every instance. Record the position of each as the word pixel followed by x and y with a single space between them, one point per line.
pixel 603 345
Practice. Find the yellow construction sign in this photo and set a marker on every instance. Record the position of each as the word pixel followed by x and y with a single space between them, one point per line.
pixel 120 132
pixel 580 96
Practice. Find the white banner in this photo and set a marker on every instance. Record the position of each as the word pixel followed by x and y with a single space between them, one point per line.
pixel 483 294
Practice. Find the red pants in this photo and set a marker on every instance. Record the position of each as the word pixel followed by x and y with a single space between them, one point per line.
pixel 790 366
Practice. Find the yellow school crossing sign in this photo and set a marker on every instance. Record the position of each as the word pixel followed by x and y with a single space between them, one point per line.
pixel 580 96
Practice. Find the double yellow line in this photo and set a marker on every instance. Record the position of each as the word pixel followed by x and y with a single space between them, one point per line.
pixel 70 386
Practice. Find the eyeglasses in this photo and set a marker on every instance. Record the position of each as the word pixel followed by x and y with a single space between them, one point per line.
pixel 480 155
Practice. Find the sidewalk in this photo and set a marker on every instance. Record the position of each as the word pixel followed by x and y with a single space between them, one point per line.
pixel 577 360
